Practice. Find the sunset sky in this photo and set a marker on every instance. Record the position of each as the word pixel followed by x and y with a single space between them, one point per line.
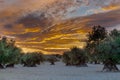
pixel 53 26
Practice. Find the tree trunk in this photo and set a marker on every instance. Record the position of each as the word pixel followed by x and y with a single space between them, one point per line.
pixel 24 64
pixel 96 62
pixel 10 66
pixel 52 63
pixel 68 64
pixel 82 62
pixel 110 65
pixel 39 63
pixel 1 66
pixel 29 65
pixel 33 65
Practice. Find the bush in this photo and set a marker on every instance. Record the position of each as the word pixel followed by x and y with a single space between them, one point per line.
pixel 66 58
pixel 75 57
pixel 32 59
pixel 52 59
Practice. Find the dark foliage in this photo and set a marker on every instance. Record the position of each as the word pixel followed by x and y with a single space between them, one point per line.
pixel 32 59
pixel 75 57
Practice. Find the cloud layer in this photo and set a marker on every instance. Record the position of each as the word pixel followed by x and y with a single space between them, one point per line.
pixel 39 26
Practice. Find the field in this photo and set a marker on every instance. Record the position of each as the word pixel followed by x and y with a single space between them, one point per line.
pixel 58 72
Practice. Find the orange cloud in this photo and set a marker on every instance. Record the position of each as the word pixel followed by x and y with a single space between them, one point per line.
pixel 111 7
pixel 32 33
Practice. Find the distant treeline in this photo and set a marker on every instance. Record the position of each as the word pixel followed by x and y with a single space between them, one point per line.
pixel 102 47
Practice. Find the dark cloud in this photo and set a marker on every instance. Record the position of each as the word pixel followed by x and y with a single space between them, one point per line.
pixel 8 26
pixel 33 20
pixel 108 19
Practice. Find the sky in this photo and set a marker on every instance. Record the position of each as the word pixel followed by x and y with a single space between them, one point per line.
pixel 54 26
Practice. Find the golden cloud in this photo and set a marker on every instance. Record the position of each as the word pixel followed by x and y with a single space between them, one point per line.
pixel 59 36
pixel 111 7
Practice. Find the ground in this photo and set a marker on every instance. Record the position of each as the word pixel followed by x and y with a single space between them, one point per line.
pixel 58 72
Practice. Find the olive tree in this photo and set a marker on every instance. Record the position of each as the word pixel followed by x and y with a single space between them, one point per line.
pixel 31 59
pixel 75 57
pixel 94 37
pixel 9 52
pixel 109 53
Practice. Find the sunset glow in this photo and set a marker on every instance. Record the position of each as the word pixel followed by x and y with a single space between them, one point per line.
pixel 54 26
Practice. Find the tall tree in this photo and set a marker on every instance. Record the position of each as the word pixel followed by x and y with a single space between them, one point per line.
pixel 96 35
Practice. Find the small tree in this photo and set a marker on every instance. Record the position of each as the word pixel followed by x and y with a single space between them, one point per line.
pixel 32 59
pixel 52 59
pixel 9 53
pixel 75 57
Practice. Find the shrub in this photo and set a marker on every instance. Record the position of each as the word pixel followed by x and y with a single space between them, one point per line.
pixel 32 59
pixel 75 57
pixel 52 59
